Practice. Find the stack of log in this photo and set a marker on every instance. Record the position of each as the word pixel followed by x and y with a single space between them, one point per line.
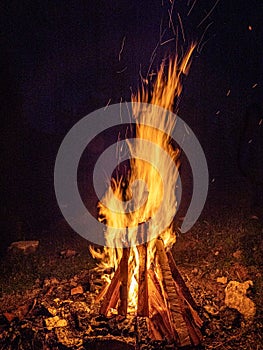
pixel 164 300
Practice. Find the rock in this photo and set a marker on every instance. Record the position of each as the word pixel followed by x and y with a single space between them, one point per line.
pixel 25 247
pixel 195 271
pixel 54 322
pixel 73 284
pixel 80 311
pixel 235 297
pixel 222 280
pixel 77 290
pixel 68 339
pixel 238 254
pixel 52 310
pixel 19 313
pixel 50 282
pixel 47 310
pixel 68 253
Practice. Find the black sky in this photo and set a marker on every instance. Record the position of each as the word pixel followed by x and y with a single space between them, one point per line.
pixel 60 61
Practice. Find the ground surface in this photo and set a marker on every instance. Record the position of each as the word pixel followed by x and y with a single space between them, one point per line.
pixel 223 243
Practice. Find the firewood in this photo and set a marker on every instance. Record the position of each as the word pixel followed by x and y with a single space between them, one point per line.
pixel 122 309
pixel 180 327
pixel 102 293
pixel 111 297
pixel 157 304
pixel 192 319
pixel 179 280
pixel 154 328
pixel 142 306
pixel 193 329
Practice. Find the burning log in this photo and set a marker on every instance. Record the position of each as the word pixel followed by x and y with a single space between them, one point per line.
pixel 143 306
pixel 157 308
pixel 164 303
pixel 179 280
pixel 122 309
pixel 194 322
pixel 180 329
pixel 112 295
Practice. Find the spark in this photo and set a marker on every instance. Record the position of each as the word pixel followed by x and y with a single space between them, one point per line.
pixel 191 8
pixel 217 112
pixel 107 105
pixel 255 85
pixel 156 47
pixel 130 117
pixel 120 110
pixel 181 25
pixel 250 28
pixel 161 24
pixel 260 122
pixel 122 47
pixel 202 46
pixel 209 13
pixel 153 55
pixel 170 12
pixel 152 74
pixel 150 66
pixel 199 46
pixel 143 80
pixel 167 41
pixel 121 71
pixel 228 93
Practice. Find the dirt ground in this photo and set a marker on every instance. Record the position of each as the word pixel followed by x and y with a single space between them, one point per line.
pixel 223 243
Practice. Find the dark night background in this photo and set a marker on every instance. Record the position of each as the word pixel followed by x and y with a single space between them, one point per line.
pixel 60 61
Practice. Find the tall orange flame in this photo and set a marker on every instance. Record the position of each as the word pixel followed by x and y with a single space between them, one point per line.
pixel 164 91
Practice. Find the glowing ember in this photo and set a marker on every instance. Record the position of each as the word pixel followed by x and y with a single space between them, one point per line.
pixel 126 213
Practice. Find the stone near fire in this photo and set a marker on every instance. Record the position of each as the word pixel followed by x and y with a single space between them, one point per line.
pixel 54 322
pixel 235 297
pixel 222 280
pixel 237 254
pixel 25 247
pixel 77 290
pixel 68 253
pixel 50 282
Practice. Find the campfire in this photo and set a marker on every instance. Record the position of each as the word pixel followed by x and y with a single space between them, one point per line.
pixel 140 274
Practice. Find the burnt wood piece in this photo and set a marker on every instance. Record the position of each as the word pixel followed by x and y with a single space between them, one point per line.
pixel 143 305
pixel 188 305
pixel 179 280
pixel 154 327
pixel 178 322
pixel 112 295
pixel 191 317
pixel 124 266
pixel 102 292
pixel 157 305
pixel 193 329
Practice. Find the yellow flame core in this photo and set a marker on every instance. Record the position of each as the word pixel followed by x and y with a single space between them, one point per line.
pixel 165 90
